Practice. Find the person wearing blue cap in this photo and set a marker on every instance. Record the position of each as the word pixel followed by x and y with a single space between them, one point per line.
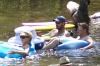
pixel 57 33
pixel 60 28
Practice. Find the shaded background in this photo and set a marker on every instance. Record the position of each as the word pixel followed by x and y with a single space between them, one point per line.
pixel 14 12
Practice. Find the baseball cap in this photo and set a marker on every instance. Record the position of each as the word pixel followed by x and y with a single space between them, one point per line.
pixel 27 33
pixel 60 19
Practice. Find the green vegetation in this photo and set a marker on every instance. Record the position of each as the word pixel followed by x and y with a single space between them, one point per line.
pixel 14 12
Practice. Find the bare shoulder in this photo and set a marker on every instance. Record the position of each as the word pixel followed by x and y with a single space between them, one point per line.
pixel 89 38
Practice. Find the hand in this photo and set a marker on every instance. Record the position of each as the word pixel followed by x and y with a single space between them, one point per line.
pixel 82 48
pixel 11 52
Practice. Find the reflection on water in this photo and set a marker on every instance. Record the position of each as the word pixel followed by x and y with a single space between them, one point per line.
pixel 78 58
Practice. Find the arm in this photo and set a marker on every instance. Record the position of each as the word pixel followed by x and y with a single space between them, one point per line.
pixel 52 33
pixel 24 53
pixel 91 44
pixel 52 43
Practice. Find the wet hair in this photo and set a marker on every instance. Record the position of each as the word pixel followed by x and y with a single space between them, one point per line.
pixel 84 26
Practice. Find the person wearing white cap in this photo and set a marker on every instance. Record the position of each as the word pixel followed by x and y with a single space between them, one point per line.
pixel 79 12
pixel 64 61
pixel 16 39
pixel 26 39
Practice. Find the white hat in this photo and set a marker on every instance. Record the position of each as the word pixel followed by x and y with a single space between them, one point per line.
pixel 64 61
pixel 72 6
pixel 26 33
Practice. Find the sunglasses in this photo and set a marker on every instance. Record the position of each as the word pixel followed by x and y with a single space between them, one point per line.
pixel 23 37
pixel 58 22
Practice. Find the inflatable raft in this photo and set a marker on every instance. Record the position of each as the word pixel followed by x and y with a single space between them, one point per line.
pixel 38 41
pixel 46 25
pixel 5 47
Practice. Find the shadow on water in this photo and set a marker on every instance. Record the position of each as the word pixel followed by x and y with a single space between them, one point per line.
pixel 77 57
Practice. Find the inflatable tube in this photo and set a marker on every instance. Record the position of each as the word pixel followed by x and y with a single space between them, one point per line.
pixel 50 27
pixel 46 38
pixel 39 23
pixel 66 39
pixel 47 27
pixel 39 42
pixel 6 47
pixel 74 44
pixel 16 39
pixel 39 46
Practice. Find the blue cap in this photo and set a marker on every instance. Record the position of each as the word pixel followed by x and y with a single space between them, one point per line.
pixel 60 19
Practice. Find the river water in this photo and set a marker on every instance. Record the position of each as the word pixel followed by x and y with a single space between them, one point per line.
pixel 14 12
pixel 78 57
